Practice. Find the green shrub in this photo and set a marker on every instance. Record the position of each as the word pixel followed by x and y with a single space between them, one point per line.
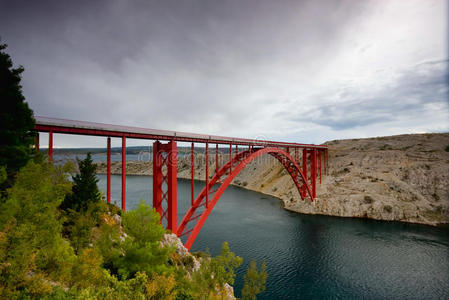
pixel 32 250
pixel 436 197
pixel 78 226
pixel 368 200
pixel 254 281
pixel 141 247
pixel 214 273
pixel 388 208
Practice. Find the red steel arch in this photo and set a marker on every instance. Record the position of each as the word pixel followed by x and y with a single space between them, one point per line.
pixel 165 158
pixel 242 159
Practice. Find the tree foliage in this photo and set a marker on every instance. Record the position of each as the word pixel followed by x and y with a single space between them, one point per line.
pixel 16 120
pixel 83 207
pixel 31 246
pixel 141 248
pixel 49 253
pixel 214 273
pixel 254 281
pixel 84 189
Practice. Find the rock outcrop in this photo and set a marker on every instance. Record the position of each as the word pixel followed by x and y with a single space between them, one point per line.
pixel 397 178
pixel 170 239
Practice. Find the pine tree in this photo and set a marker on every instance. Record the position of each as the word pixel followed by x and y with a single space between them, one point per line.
pixel 16 121
pixel 84 190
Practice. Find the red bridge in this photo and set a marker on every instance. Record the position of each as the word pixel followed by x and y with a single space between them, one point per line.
pixel 165 166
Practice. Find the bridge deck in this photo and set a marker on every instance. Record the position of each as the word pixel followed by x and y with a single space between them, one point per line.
pixel 45 124
pixel 165 157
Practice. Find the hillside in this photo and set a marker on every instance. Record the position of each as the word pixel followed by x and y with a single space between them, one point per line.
pixel 401 178
pixel 397 178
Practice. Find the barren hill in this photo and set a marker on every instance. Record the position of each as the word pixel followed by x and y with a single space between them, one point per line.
pixel 400 178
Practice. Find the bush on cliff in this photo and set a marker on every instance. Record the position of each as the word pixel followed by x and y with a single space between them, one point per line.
pixel 141 248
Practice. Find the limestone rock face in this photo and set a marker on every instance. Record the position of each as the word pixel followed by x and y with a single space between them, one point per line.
pixel 395 178
pixel 171 239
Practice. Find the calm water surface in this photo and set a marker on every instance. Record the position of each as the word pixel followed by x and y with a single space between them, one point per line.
pixel 315 256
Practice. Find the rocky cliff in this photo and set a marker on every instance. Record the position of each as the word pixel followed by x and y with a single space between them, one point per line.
pixel 397 178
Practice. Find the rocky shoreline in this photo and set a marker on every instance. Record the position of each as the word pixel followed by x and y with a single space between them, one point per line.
pixel 397 178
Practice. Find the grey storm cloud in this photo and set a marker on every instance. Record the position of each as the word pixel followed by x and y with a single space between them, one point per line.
pixel 244 68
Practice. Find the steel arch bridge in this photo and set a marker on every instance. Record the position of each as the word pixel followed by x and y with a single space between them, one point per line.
pixel 314 158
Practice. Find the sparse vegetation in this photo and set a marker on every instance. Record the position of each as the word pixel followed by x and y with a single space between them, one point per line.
pixel 388 208
pixel 374 179
pixel 439 209
pixel 406 175
pixel 436 197
pixel 386 147
pixel 346 170
pixel 368 199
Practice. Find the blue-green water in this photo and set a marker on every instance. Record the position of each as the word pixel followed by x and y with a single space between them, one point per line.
pixel 315 256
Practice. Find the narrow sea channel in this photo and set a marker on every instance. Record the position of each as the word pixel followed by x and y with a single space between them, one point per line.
pixel 315 257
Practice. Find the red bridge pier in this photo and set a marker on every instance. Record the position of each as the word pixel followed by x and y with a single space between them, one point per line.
pixel 165 182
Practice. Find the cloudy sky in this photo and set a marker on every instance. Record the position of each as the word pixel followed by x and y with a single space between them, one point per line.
pixel 304 71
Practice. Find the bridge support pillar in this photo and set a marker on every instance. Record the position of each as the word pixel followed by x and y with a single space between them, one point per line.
pixel 165 182
pixel 108 171
pixel 37 142
pixel 50 146
pixel 216 158
pixel 319 162
pixel 124 173
pixel 304 171
pixel 192 175
pixel 230 158
pixel 313 173
pixel 326 161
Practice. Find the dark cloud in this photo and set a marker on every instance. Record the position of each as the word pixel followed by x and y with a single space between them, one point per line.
pixel 177 60
pixel 220 67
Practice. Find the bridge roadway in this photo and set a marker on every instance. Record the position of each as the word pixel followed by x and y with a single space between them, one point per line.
pixel 165 165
